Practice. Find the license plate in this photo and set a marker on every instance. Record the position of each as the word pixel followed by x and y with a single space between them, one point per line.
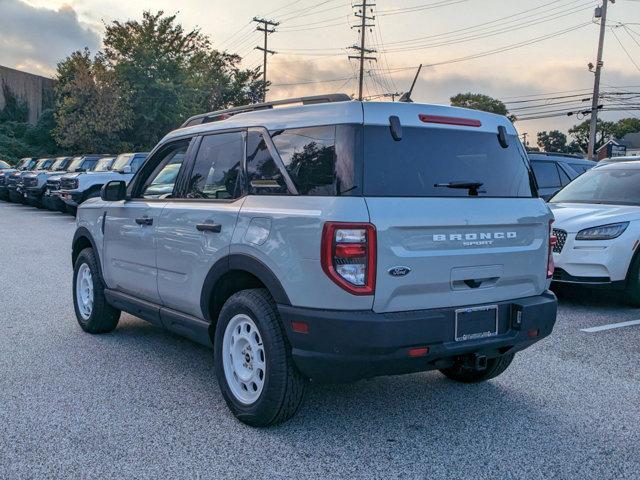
pixel 476 322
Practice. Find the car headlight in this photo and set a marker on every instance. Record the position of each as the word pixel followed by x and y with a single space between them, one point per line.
pixel 604 232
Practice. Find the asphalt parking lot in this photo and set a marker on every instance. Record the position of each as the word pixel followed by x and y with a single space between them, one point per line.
pixel 141 402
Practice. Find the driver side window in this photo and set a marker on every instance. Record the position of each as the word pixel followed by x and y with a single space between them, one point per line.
pixel 161 182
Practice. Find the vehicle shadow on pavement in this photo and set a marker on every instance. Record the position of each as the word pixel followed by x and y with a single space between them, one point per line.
pixel 578 295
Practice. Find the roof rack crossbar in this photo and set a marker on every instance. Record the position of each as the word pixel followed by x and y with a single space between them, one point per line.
pixel 310 100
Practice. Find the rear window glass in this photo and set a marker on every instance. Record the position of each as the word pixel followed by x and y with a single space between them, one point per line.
pixel 427 162
pixel 546 174
pixel 319 160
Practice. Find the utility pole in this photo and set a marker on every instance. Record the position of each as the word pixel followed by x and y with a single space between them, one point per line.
pixel 362 48
pixel 596 83
pixel 263 26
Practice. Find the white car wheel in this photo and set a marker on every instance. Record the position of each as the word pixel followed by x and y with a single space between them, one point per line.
pixel 84 291
pixel 244 359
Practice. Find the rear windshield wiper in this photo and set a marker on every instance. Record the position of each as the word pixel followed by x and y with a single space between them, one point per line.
pixel 471 186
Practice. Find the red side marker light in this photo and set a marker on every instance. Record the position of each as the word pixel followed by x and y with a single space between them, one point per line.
pixel 533 333
pixel 418 352
pixel 300 327
pixel 465 122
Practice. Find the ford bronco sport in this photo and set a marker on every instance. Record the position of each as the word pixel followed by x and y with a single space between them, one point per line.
pixel 51 198
pixel 35 183
pixel 83 186
pixel 333 240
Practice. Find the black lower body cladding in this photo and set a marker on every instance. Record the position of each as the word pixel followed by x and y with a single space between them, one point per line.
pixel 348 345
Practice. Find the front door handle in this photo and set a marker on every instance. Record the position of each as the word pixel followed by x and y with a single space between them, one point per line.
pixel 144 221
pixel 209 227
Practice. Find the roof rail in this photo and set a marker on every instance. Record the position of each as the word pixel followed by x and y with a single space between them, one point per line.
pixel 226 113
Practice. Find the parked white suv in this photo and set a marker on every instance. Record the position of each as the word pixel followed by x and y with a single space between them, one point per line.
pixel 598 229
pixel 332 240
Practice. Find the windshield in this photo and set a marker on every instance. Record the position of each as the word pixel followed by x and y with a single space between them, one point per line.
pixel 103 165
pixel 443 162
pixel 75 163
pixel 121 162
pixel 609 186
pixel 58 164
pixel 43 164
pixel 4 164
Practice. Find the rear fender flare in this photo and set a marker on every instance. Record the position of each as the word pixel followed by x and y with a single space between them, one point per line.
pixel 246 263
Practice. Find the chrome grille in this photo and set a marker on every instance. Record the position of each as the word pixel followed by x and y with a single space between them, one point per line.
pixel 561 235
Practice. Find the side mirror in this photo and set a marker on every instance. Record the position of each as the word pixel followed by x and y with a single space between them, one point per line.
pixel 126 169
pixel 114 191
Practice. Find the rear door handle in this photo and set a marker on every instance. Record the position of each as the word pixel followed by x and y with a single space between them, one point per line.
pixel 144 221
pixel 209 227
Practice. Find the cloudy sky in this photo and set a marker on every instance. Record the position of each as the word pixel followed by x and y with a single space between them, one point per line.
pixel 508 49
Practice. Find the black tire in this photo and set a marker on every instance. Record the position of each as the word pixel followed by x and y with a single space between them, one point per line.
pixel 104 318
pixel 495 366
pixel 632 292
pixel 284 385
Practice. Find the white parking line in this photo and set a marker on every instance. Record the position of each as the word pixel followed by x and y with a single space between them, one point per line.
pixel 610 326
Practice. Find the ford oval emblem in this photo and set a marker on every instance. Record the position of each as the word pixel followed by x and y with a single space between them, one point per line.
pixel 399 271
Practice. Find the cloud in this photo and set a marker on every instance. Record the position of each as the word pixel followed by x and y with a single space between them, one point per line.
pixel 294 77
pixel 35 39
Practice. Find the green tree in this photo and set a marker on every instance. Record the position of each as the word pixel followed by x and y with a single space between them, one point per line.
pixel 478 101
pixel 553 141
pixel 626 125
pixel 171 74
pixel 18 138
pixel 580 133
pixel 93 111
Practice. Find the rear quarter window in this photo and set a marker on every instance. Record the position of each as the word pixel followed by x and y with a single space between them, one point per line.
pixel 319 160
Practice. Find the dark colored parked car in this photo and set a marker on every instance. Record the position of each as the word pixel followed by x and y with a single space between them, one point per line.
pixel 10 186
pixel 555 170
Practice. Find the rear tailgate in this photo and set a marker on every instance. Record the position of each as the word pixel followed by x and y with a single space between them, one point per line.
pixel 452 202
pixel 458 251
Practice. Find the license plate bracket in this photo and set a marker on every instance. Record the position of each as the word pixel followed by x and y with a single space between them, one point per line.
pixel 476 322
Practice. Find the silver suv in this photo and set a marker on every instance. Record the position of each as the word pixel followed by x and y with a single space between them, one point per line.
pixel 76 188
pixel 332 240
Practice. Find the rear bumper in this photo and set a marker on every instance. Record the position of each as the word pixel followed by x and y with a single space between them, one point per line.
pixel 347 345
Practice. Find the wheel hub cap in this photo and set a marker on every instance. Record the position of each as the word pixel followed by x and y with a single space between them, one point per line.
pixel 84 291
pixel 243 359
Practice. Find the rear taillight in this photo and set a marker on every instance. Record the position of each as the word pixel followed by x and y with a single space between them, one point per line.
pixel 552 242
pixel 348 256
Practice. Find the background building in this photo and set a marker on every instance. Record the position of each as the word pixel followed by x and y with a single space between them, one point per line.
pixel 35 90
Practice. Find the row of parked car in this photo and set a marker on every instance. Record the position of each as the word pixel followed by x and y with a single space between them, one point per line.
pixel 63 183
